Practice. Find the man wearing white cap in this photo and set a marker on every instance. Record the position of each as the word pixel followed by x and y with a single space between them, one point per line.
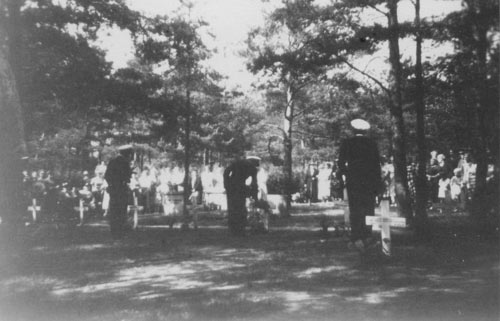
pixel 237 191
pixel 117 176
pixel 360 163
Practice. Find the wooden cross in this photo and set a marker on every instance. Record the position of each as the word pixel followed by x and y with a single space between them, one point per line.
pixel 136 208
pixel 81 208
pixel 384 223
pixel 34 209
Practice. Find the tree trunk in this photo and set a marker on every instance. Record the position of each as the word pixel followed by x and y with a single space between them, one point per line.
pixel 480 206
pixel 14 29
pixel 187 160
pixel 398 125
pixel 287 141
pixel 12 145
pixel 420 222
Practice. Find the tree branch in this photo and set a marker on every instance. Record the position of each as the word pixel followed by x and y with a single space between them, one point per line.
pixel 375 80
pixel 378 10
pixel 312 134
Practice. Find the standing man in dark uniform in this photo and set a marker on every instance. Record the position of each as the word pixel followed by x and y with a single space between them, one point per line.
pixel 360 163
pixel 237 191
pixel 118 175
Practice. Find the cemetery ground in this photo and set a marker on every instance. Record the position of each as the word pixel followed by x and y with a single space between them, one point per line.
pixel 293 272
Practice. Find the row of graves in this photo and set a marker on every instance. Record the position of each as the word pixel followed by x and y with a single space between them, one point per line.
pixel 83 207
pixel 62 205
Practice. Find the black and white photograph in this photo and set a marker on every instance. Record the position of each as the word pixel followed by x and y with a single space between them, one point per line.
pixel 249 160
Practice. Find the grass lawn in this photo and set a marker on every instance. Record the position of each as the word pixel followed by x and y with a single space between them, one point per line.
pixel 294 272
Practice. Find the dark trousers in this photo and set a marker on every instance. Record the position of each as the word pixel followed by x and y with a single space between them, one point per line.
pixel 236 213
pixel 118 201
pixel 434 190
pixel 361 204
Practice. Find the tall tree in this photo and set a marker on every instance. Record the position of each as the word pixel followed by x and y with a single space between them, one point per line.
pixel 228 126
pixel 330 35
pixel 473 73
pixel 396 108
pixel 12 144
pixel 177 44
pixel 282 51
pixel 368 36
pixel 421 179
pixel 58 69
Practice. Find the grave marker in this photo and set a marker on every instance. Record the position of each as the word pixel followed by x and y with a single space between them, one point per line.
pixel 384 223
pixel 81 208
pixel 34 209
pixel 136 208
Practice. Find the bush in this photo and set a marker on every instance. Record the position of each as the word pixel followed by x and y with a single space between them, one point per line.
pixel 276 181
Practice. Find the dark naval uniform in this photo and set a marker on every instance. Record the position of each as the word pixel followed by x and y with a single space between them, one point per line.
pixel 237 191
pixel 359 162
pixel 118 175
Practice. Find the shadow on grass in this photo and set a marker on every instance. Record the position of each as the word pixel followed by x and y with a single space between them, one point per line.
pixel 166 274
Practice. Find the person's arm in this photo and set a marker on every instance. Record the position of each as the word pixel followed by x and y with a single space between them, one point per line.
pixel 108 175
pixel 127 172
pixel 342 162
pixel 254 189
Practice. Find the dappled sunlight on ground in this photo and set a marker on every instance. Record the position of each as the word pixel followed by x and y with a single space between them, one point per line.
pixel 294 272
pixel 313 271
pixel 74 247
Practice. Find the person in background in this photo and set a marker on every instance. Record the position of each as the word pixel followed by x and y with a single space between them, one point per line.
pixel 312 182
pixel 175 178
pixel 196 187
pixel 470 175
pixel 388 178
pixel 433 177
pixel 453 159
pixel 147 183
pixel 324 182
pixel 443 179
pixel 98 186
pixel 117 176
pixel 457 188
pixel 359 161
pixel 235 177
pixel 411 174
pixel 262 177
pixel 337 183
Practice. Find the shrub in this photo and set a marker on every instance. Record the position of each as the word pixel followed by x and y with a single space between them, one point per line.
pixel 276 181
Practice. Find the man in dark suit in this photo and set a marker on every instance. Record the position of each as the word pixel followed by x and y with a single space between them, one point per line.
pixel 312 182
pixel 237 191
pixel 118 175
pixel 359 162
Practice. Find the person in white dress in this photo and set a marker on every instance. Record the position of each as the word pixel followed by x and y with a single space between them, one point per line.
pixel 324 181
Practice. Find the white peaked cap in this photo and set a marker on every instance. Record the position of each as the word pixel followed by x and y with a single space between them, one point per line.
pixel 360 124
pixel 254 157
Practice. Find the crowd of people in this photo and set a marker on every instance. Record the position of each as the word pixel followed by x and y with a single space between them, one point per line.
pixel 451 180
pixel 359 175
pixel 58 198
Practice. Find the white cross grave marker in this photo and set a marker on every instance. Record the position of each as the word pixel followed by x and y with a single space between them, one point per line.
pixel 136 208
pixel 81 208
pixel 34 209
pixel 384 223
